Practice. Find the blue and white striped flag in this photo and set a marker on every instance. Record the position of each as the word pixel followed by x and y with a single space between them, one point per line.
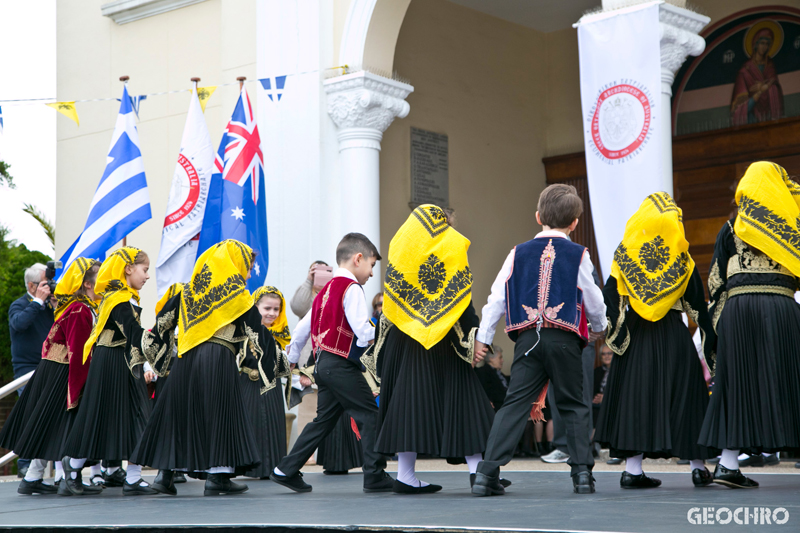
pixel 121 202
pixel 1 120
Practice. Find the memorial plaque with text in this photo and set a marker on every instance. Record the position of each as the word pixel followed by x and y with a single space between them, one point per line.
pixel 429 174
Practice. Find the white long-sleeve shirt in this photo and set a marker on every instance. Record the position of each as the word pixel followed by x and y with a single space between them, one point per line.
pixel 495 308
pixel 355 309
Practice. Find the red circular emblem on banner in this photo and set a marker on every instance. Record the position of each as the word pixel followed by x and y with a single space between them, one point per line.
pixel 621 121
pixel 191 181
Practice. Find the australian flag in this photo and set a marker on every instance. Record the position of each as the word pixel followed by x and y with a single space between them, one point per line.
pixel 237 206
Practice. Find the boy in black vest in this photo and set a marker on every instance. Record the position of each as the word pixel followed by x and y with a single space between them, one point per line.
pixel 546 291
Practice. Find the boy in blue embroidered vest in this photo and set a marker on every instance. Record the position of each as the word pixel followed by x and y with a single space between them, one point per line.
pixel 340 331
pixel 546 292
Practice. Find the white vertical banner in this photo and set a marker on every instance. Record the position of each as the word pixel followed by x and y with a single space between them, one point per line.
pixel 620 62
pixel 187 201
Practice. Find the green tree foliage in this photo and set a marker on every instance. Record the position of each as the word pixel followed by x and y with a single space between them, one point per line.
pixel 47 226
pixel 14 259
pixel 5 177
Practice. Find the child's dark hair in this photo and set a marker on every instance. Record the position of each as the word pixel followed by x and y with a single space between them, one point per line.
pixel 141 257
pixel 90 276
pixel 559 205
pixel 355 243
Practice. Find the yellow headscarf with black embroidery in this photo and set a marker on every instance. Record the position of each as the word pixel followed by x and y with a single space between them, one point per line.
pixel 112 286
pixel 769 213
pixel 428 281
pixel 71 281
pixel 172 291
pixel 279 328
pixel 217 293
pixel 652 264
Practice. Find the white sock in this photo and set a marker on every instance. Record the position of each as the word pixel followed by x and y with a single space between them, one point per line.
pixel 406 463
pixel 278 471
pixel 134 474
pixel 95 470
pixel 110 470
pixel 730 459
pixel 696 463
pixel 777 454
pixel 59 471
pixel 35 470
pixel 633 465
pixel 472 462
pixel 220 470
pixel 76 464
pixel 743 456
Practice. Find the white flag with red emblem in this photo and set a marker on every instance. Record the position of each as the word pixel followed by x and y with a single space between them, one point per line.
pixel 620 65
pixel 187 201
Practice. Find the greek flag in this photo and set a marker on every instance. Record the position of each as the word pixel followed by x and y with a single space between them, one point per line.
pixel 121 202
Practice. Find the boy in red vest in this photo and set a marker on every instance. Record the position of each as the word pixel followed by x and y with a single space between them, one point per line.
pixel 546 291
pixel 340 331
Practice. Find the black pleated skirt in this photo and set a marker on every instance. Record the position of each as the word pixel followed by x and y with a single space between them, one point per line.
pixel 200 419
pixel 38 425
pixel 655 396
pixel 113 411
pixel 341 450
pixel 268 420
pixel 755 405
pixel 432 401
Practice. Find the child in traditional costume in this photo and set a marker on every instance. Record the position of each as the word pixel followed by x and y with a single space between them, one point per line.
pixel 41 419
pixel 655 396
pixel 200 422
pixel 755 405
pixel 267 411
pixel 432 401
pixel 115 406
pixel 546 291
pixel 338 324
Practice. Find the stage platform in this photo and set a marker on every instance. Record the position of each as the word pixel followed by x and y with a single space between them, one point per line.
pixel 537 501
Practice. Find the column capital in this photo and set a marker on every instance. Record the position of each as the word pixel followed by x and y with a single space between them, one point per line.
pixel 679 39
pixel 366 100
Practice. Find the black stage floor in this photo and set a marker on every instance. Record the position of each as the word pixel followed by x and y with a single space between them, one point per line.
pixel 537 501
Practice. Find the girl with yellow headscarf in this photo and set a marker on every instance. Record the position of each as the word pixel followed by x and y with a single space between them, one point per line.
pixel 655 395
pixel 200 423
pixel 267 411
pixel 755 407
pixel 38 424
pixel 424 350
pixel 115 405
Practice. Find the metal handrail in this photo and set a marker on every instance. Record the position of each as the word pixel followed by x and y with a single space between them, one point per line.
pixel 5 391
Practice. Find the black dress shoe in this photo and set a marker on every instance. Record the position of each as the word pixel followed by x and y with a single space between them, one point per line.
pixel 92 488
pixel 771 460
pixel 138 489
pixel 294 482
pixel 180 477
pixel 503 481
pixel 165 483
pixel 117 479
pixel 221 484
pixel 383 483
pixel 402 488
pixel 35 487
pixel 335 472
pixel 71 487
pixel 614 461
pixel 484 485
pixel 733 478
pixel 583 482
pixel 702 478
pixel 629 481
pixel 753 460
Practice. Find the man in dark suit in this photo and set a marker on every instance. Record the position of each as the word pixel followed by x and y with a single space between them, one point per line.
pixel 490 375
pixel 29 320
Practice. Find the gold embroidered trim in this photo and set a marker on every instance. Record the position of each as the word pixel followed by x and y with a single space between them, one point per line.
pixel 252 373
pixel 222 342
pixel 714 279
pixel 154 351
pixel 58 353
pixel 106 339
pixel 370 356
pixel 695 316
pixel 748 261
pixel 761 289
pixel 610 341
pixel 467 342
pixel 720 305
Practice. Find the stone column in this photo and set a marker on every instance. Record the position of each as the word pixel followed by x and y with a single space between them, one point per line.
pixel 363 105
pixel 679 39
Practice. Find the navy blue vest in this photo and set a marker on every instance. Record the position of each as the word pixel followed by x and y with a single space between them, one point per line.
pixel 543 287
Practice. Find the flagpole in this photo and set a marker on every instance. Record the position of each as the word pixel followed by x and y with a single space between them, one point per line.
pixel 124 79
pixel 241 79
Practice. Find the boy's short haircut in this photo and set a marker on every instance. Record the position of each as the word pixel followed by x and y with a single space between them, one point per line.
pixel 355 243
pixel 559 205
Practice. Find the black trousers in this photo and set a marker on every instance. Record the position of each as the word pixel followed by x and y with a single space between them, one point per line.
pixel 558 358
pixel 341 386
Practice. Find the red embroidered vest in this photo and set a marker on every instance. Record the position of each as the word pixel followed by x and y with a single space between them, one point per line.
pixel 330 330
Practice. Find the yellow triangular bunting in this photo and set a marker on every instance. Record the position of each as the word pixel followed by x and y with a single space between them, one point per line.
pixel 204 93
pixel 67 109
